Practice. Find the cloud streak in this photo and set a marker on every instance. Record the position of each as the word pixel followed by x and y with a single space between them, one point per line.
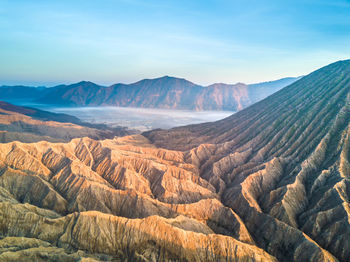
pixel 204 41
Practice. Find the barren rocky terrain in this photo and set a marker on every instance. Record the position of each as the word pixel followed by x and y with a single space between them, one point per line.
pixel 269 183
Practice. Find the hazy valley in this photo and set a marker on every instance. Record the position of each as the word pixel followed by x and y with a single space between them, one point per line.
pixel 164 102
pixel 142 119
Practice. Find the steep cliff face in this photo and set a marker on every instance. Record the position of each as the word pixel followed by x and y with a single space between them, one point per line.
pixel 282 165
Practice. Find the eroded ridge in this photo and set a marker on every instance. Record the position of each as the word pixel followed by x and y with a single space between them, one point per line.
pixel 282 165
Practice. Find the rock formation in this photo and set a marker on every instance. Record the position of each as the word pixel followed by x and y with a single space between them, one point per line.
pixel 120 198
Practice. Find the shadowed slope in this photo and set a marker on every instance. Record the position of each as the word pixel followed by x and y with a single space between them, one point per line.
pixel 282 163
pixel 31 125
pixel 39 114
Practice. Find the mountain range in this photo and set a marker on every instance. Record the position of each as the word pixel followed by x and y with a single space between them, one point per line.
pixel 165 92
pixel 269 183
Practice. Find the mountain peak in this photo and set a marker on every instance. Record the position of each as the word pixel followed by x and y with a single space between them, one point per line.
pixel 165 78
pixel 84 83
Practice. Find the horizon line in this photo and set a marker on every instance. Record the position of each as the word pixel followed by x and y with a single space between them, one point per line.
pixel 155 78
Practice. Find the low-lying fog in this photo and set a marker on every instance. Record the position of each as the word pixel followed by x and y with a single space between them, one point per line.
pixel 142 119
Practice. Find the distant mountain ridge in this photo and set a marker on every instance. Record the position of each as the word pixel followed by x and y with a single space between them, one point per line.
pixel 164 92
pixel 27 124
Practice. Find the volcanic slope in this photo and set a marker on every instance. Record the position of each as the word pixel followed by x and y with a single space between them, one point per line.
pixel 282 164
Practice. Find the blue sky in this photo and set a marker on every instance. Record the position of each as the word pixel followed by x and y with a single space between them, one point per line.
pixel 105 41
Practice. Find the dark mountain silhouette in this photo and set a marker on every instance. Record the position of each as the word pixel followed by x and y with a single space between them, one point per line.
pixel 39 114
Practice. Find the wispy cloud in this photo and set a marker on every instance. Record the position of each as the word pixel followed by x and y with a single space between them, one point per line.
pixel 205 41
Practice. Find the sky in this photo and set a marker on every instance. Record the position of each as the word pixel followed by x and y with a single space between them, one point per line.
pixel 111 41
